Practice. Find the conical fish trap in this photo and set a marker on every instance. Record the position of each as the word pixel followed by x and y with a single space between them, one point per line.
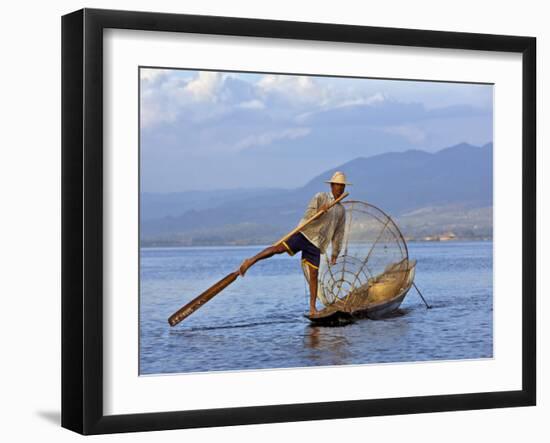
pixel 373 262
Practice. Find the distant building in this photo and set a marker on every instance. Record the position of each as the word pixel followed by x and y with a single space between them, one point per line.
pixel 431 238
pixel 447 236
pixel 440 237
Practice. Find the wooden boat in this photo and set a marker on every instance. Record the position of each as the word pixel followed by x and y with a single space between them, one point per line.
pixel 380 297
pixel 380 307
pixel 331 316
pixel 373 273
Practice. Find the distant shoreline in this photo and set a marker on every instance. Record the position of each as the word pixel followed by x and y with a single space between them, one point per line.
pixel 229 245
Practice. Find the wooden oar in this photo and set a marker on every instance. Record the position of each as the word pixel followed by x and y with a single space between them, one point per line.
pixel 207 295
pixel 200 300
pixel 309 220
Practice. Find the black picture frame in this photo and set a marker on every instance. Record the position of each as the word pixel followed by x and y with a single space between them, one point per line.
pixel 82 218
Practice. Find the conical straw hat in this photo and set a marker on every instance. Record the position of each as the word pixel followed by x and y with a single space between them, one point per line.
pixel 338 177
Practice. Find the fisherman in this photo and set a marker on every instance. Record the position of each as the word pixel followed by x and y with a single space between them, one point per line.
pixel 314 238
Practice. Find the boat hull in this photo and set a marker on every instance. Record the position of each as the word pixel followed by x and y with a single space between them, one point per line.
pixel 383 309
pixel 341 312
pixel 331 318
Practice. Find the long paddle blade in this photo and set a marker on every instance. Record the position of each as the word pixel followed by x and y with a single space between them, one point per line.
pixel 200 300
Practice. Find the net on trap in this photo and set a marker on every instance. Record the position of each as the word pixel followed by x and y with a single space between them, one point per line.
pixel 373 263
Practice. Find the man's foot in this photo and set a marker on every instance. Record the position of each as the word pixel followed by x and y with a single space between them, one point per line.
pixel 244 266
pixel 314 313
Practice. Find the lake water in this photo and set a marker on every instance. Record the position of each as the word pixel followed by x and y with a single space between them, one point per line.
pixel 257 322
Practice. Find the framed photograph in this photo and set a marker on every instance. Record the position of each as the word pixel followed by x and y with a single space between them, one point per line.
pixel 270 221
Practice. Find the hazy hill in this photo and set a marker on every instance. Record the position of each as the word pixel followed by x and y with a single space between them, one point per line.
pixel 456 180
pixel 157 205
pixel 402 181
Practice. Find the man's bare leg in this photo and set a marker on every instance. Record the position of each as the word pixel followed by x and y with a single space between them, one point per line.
pixel 313 274
pixel 270 251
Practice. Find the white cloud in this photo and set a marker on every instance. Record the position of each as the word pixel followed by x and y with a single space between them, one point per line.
pixel 206 86
pixel 344 102
pixel 412 134
pixel 252 104
pixel 266 138
pixel 152 74
pixel 314 95
pixel 154 113
pixel 161 90
pixel 359 101
pixel 167 94
pixel 229 104
pixel 294 88
pixel 170 95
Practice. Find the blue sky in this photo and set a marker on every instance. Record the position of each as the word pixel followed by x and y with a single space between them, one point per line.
pixel 220 130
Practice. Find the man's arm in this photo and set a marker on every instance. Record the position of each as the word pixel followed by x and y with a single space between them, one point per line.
pixel 338 237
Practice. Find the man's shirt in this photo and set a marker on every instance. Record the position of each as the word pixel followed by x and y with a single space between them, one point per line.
pixel 329 228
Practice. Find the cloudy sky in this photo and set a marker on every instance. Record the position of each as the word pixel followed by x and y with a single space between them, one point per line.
pixel 221 130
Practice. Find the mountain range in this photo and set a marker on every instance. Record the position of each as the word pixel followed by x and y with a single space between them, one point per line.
pixel 448 190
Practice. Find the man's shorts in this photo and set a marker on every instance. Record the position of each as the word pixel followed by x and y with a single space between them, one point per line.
pixel 310 253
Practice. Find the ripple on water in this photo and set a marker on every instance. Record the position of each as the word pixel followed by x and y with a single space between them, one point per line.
pixel 257 322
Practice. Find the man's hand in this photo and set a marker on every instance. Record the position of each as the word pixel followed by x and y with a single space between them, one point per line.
pixel 324 207
pixel 333 259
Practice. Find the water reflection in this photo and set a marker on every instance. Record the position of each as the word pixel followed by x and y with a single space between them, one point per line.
pixel 327 346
